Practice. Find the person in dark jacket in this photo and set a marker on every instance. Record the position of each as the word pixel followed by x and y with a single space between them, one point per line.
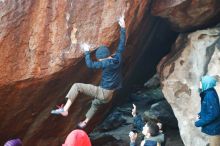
pixel 111 77
pixel 150 130
pixel 209 116
pixel 152 136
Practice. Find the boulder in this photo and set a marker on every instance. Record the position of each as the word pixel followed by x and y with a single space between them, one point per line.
pixel 113 121
pixel 187 15
pixel 153 82
pixel 40 59
pixel 148 96
pixel 163 112
pixel 193 55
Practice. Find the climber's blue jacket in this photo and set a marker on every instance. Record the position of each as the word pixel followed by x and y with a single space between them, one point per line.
pixel 111 68
pixel 210 108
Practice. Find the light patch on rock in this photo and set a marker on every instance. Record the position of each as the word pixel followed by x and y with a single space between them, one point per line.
pixel 73 35
pixel 67 16
pixel 32 43
pixel 53 32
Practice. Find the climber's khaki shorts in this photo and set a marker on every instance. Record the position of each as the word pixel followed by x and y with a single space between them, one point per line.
pixel 214 140
pixel 101 95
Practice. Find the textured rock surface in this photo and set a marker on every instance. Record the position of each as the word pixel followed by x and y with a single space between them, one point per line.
pixel 188 14
pixel 193 55
pixel 153 82
pixel 39 38
pixel 40 59
pixel 163 112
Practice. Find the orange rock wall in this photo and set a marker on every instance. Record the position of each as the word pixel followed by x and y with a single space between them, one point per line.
pixel 40 59
pixel 188 15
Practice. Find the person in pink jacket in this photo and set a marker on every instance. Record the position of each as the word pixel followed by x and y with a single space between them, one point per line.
pixel 77 138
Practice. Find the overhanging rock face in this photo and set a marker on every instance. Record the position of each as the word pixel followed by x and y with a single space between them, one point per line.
pixel 193 55
pixel 40 38
pixel 40 59
pixel 186 15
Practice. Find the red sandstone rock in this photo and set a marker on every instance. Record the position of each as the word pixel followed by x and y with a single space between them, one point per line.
pixel 187 14
pixel 40 59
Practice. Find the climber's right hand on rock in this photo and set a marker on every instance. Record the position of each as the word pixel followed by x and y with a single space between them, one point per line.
pixel 85 47
pixel 121 21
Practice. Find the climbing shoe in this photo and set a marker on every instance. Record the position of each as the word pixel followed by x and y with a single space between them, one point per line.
pixel 60 111
pixel 82 125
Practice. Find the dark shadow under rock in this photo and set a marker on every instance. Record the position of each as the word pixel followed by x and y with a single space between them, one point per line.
pixel 154 82
pixel 107 140
pixel 148 96
pixel 163 112
pixel 113 121
pixel 115 128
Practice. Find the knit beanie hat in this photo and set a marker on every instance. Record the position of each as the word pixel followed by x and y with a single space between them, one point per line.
pixel 77 138
pixel 13 142
pixel 102 52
